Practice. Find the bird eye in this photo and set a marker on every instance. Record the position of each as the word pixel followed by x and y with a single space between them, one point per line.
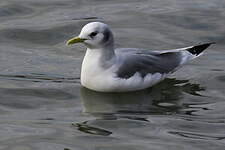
pixel 93 34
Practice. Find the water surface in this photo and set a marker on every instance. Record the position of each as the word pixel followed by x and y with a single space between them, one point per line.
pixel 43 107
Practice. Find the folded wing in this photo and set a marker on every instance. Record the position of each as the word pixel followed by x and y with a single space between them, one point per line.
pixel 147 62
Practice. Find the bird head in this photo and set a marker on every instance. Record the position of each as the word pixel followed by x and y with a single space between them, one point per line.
pixel 94 35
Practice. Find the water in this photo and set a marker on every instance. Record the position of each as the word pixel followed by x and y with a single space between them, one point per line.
pixel 43 107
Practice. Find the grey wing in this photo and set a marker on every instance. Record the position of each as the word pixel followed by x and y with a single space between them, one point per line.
pixel 144 61
pixel 150 62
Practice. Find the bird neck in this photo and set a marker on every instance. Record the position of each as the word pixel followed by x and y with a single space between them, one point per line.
pixel 105 56
pixel 107 52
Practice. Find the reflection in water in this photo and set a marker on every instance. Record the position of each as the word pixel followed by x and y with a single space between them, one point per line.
pixel 91 130
pixel 161 99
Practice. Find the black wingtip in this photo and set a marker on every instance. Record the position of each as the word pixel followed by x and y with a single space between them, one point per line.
pixel 198 49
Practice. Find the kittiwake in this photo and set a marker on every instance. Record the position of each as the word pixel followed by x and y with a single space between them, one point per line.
pixel 106 69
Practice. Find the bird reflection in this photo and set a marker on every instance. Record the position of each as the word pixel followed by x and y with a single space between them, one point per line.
pixel 164 98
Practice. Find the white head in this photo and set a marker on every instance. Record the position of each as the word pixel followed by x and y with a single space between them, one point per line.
pixel 94 35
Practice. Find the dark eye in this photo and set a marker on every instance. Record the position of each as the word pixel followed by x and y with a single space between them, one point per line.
pixel 93 34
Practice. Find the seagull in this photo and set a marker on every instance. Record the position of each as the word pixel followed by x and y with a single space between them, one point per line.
pixel 106 69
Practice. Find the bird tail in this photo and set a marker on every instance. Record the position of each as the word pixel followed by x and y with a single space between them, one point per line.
pixel 193 52
pixel 198 49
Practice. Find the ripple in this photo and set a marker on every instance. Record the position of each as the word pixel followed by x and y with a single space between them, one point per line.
pixel 14 10
pixel 221 78
pixel 34 77
pixel 86 18
pixel 83 127
pixel 50 36
pixel 217 70
pixel 187 21
pixel 31 98
pixel 18 131
pixel 196 135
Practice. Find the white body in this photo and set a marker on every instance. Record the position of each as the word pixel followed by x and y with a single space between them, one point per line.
pixel 97 78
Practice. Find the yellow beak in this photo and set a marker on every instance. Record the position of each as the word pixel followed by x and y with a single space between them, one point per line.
pixel 75 40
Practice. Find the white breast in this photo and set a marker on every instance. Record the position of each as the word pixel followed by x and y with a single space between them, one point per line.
pixel 93 75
